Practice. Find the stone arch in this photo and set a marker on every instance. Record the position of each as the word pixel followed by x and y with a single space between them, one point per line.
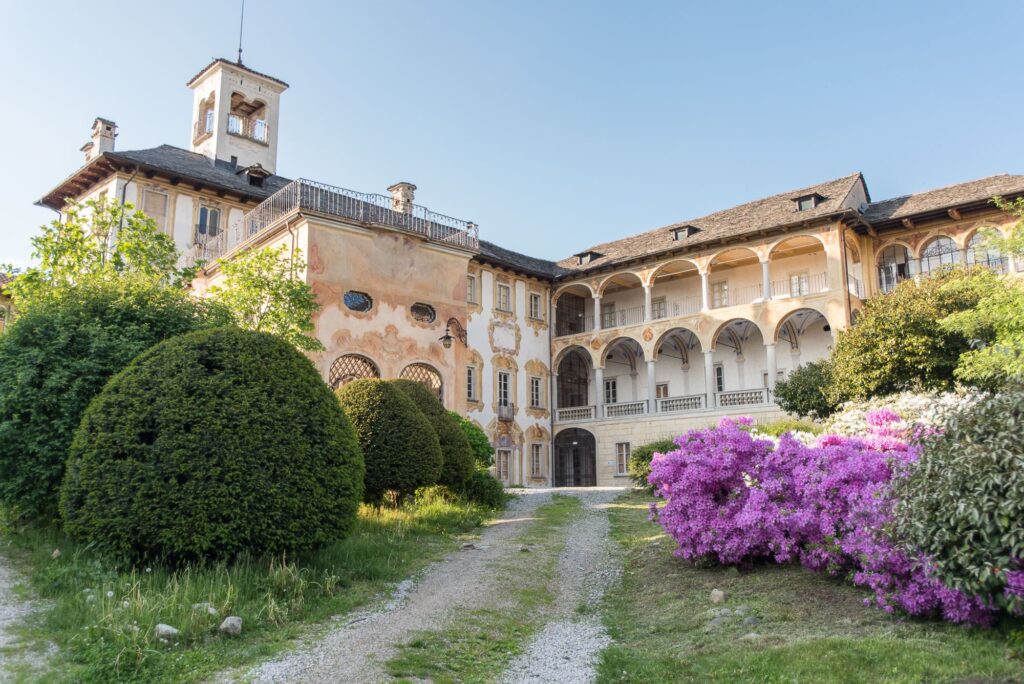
pixel 623 341
pixel 560 356
pixel 980 253
pixel 737 330
pixel 894 243
pixel 800 241
pixel 425 374
pixel 793 324
pixel 680 338
pixel 733 255
pixel 575 458
pixel 572 288
pixel 349 367
pixel 673 267
pixel 621 278
pixel 573 366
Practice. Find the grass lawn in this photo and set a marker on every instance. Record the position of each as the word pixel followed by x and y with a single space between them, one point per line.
pixel 102 617
pixel 811 628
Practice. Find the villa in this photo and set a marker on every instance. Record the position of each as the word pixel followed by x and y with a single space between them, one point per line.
pixel 565 365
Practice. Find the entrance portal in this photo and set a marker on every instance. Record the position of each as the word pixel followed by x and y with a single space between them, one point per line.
pixel 575 459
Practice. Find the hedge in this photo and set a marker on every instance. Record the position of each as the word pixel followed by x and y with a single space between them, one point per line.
pixel 456 453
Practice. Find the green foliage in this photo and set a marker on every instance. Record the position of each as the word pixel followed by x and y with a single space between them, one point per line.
pixel 401 450
pixel 639 466
pixel 899 343
pixel 212 444
pixel 457 454
pixel 805 392
pixel 99 241
pixel 264 292
pixel 778 427
pixel 995 328
pixel 484 489
pixel 1014 242
pixel 57 356
pixel 483 452
pixel 962 502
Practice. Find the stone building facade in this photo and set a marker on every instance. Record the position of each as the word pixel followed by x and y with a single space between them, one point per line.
pixel 566 365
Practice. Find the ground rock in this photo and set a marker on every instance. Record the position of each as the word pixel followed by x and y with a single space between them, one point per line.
pixel 232 625
pixel 163 631
pixel 717 596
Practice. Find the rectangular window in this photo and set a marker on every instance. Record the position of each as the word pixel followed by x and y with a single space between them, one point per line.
pixel 536 311
pixel 536 460
pixel 719 378
pixel 154 205
pixel 209 224
pixel 504 297
pixel 799 284
pixel 471 289
pixel 621 458
pixel 611 391
pixel 658 308
pixel 501 461
pixel 504 389
pixel 608 315
pixel 535 393
pixel 661 390
pixel 719 294
pixel 471 383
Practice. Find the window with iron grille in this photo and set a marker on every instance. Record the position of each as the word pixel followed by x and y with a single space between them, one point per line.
pixel 425 375
pixel 351 367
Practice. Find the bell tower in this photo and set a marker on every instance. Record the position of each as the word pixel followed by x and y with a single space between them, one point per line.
pixel 236 113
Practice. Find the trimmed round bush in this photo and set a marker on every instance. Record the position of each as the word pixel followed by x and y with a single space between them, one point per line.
pixel 639 466
pixel 805 392
pixel 401 449
pixel 484 489
pixel 456 453
pixel 211 444
pixel 962 503
pixel 56 357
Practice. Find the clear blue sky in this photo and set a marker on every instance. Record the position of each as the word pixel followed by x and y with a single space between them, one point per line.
pixel 554 125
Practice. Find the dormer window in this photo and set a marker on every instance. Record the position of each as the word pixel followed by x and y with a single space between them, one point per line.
pixel 808 202
pixel 584 258
pixel 683 232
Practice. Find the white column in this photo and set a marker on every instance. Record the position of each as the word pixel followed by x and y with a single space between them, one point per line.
pixel 772 365
pixel 705 295
pixel 648 314
pixel 554 394
pixel 709 377
pixel 599 391
pixel 652 402
pixel 597 312
pixel 766 282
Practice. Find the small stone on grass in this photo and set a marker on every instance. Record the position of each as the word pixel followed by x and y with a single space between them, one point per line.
pixel 717 596
pixel 232 625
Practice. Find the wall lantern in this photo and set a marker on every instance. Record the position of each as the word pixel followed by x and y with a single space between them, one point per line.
pixel 460 332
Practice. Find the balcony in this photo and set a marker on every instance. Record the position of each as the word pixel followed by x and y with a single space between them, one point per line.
pixel 575 414
pixel 506 413
pixel 250 129
pixel 625 409
pixel 690 402
pixel 667 406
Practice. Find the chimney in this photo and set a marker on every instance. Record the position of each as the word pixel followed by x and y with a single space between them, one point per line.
pixel 103 134
pixel 402 195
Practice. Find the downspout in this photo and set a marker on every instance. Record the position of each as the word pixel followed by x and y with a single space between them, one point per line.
pixel 120 220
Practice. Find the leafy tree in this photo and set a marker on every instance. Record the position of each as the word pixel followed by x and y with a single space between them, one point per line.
pixel 98 241
pixel 483 452
pixel 457 463
pixel 58 355
pixel 263 292
pixel 209 445
pixel 995 328
pixel 899 342
pixel 1014 242
pixel 805 391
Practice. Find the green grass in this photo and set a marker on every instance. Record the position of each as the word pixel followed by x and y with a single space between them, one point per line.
pixel 813 628
pixel 109 637
pixel 477 645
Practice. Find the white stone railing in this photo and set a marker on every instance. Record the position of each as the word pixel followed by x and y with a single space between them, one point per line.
pixel 575 413
pixel 692 402
pixel 626 408
pixel 751 397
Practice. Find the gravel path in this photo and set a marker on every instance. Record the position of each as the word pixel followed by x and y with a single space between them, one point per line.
pixel 565 650
pixel 357 651
pixel 12 611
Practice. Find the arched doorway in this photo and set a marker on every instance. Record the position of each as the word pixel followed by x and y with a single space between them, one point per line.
pixel 351 367
pixel 425 375
pixel 575 459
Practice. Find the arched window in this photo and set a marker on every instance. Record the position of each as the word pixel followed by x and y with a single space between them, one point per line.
pixel 893 266
pixel 939 252
pixel 979 253
pixel 351 367
pixel 425 375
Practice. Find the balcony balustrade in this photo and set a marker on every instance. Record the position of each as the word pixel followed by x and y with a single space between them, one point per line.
pixel 691 402
pixel 506 413
pixel 626 408
pixel 666 405
pixel 252 129
pixel 574 414
pixel 800 286
pixel 751 397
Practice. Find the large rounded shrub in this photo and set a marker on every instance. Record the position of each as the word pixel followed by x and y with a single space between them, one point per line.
pixel 456 453
pixel 639 466
pixel 483 452
pixel 401 449
pixel 962 503
pixel 805 392
pixel 211 444
pixel 484 489
pixel 57 356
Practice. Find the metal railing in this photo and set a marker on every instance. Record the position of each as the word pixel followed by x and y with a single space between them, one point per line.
pixel 691 402
pixel 856 287
pixel 615 319
pixel 626 408
pixel 575 413
pixel 799 286
pixel 317 198
pixel 506 412
pixel 751 397
pixel 889 275
pixel 252 129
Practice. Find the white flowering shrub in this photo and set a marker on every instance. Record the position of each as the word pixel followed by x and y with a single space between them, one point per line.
pixel 915 409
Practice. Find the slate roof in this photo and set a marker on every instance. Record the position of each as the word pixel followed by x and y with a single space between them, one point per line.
pixel 980 190
pixel 769 212
pixel 176 162
pixel 236 65
pixel 540 268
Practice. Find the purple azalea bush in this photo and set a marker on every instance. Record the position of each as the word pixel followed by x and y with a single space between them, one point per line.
pixel 735 498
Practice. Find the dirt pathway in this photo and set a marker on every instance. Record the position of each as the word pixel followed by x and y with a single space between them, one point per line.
pixel 466 580
pixel 12 611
